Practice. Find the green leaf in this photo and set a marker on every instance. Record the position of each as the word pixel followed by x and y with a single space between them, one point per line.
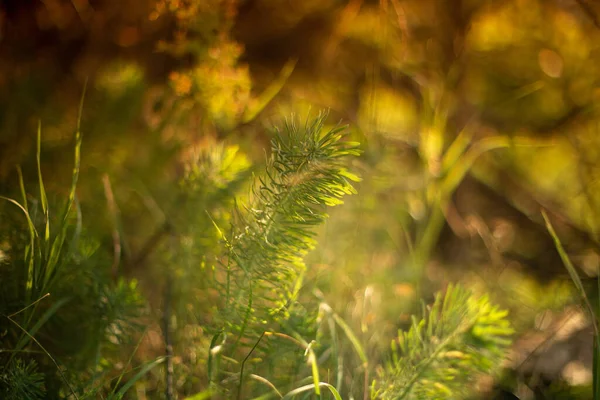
pixel 145 369
pixel 291 394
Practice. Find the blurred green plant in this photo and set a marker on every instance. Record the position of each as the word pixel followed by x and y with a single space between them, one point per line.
pixel 216 83
pixel 441 356
pixel 22 381
pixel 259 278
pixel 64 315
pixel 592 309
pixel 255 315
pixel 263 268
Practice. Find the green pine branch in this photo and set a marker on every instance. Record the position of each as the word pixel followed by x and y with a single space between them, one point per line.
pixel 21 381
pixel 459 338
pixel 263 267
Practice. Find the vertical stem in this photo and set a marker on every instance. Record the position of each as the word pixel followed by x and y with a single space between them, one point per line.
pixel 430 237
pixel 169 393
pixel 113 210
pixel 240 383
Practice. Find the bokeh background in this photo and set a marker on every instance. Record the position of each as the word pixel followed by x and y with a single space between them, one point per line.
pixel 473 116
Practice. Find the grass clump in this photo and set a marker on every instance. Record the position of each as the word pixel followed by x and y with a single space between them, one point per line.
pixel 64 316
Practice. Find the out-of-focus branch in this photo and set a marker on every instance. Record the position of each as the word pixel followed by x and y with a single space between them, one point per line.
pixel 113 211
pixel 585 7
pixel 169 390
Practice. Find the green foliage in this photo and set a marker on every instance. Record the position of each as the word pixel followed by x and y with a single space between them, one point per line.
pixel 263 268
pixel 304 174
pixel 214 173
pixel 64 315
pixel 262 331
pixel 592 309
pixel 22 381
pixel 442 355
pixel 434 86
pixel 214 84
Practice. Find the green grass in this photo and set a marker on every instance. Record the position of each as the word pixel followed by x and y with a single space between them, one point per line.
pixel 593 310
pixel 266 333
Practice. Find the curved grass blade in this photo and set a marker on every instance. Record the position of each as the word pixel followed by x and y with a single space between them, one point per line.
pixel 145 369
pixel 40 322
pixel 43 196
pixel 302 389
pixel 266 382
pixel 28 251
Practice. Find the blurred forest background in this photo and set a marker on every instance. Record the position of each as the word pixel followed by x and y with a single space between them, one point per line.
pixel 473 116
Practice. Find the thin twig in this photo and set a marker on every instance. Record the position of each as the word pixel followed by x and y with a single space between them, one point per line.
pixel 114 215
pixel 587 9
pixel 547 340
pixel 31 305
pixel 151 244
pixel 239 395
pixel 168 345
pixel 47 353
pixel 366 385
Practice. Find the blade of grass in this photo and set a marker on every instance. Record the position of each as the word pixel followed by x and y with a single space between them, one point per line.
pixel 596 371
pixel 22 188
pixel 239 395
pixel 596 366
pixel 207 394
pixel 457 148
pixel 130 358
pixel 310 387
pixel 211 358
pixel 352 337
pixel 43 197
pixel 31 305
pixel 593 312
pixel 270 92
pixel 266 382
pixel 29 253
pixel 312 359
pixel 571 269
pixel 78 228
pixel 336 354
pixel 40 322
pixel 48 354
pixel 145 369
pixel 61 237
pixel 27 319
